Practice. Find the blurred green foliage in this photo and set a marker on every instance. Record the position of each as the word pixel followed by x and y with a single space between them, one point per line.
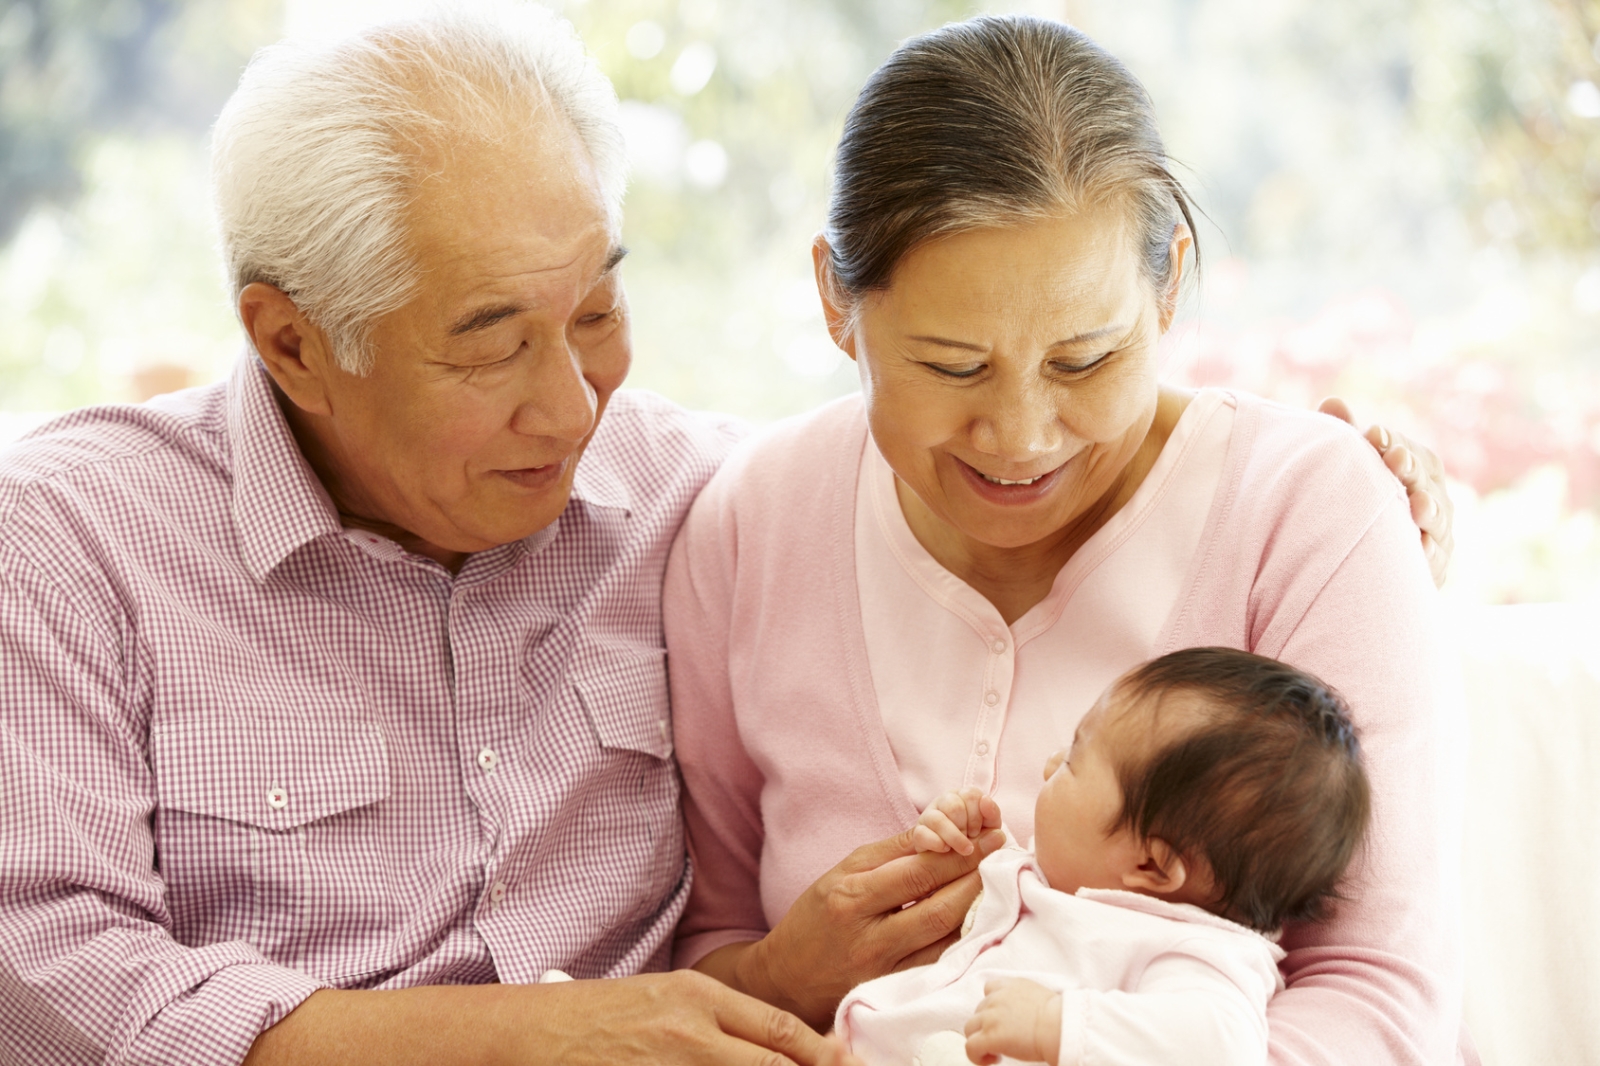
pixel 72 70
pixel 1402 201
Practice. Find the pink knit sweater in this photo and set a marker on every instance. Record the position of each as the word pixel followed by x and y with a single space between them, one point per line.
pixel 1309 555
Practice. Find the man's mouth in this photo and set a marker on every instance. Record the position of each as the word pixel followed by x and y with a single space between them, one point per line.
pixel 534 477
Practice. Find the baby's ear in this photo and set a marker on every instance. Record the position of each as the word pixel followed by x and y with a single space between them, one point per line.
pixel 1161 870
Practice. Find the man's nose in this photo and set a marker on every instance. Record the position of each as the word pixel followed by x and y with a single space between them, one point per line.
pixel 558 402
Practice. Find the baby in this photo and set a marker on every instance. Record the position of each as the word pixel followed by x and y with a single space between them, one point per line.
pixel 1209 796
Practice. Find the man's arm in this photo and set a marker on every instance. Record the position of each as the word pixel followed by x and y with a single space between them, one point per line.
pixel 681 1017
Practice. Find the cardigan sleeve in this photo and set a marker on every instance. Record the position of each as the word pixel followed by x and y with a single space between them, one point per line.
pixel 722 784
pixel 1379 982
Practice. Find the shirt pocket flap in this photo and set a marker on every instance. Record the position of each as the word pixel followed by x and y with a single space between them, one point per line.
pixel 624 691
pixel 274 774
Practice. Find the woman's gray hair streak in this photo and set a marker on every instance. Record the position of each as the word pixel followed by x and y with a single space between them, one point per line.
pixel 315 158
pixel 988 122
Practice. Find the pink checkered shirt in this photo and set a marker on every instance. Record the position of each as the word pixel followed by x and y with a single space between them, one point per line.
pixel 246 753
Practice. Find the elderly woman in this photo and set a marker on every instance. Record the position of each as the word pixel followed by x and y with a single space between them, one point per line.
pixel 926 586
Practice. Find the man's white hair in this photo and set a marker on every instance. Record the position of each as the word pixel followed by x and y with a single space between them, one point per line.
pixel 314 159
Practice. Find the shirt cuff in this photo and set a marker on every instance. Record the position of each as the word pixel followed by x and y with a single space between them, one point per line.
pixel 216 1022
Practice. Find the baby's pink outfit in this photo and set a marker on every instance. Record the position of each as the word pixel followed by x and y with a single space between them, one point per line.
pixel 1143 982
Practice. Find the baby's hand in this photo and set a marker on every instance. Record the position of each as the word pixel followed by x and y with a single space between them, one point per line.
pixel 954 820
pixel 1017 1017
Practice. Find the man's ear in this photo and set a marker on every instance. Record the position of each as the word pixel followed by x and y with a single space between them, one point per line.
pixel 1161 870
pixel 827 288
pixel 294 350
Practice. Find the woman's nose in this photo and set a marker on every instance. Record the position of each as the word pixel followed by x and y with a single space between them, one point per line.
pixel 558 402
pixel 1019 424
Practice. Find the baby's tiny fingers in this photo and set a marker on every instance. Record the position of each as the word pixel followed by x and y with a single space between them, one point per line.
pixel 924 838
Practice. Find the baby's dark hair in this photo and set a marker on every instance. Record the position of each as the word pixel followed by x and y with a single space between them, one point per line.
pixel 1269 788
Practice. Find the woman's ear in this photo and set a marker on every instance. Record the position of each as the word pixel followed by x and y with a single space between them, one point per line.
pixel 1161 870
pixel 828 288
pixel 1182 244
pixel 294 350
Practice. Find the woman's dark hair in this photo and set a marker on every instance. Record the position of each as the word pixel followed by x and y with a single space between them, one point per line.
pixel 1268 788
pixel 988 122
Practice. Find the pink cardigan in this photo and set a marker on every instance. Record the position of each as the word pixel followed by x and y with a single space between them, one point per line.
pixel 1309 555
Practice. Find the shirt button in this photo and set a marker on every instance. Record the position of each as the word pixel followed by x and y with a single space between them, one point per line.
pixel 488 760
pixel 983 747
pixel 497 892
pixel 999 647
pixel 992 698
pixel 277 798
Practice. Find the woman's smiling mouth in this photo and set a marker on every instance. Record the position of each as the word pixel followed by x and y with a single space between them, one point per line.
pixel 1006 490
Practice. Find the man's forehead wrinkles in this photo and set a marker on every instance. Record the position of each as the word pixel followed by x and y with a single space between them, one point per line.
pixel 487 314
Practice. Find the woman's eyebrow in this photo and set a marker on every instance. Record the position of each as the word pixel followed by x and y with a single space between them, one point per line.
pixel 1081 338
pixel 1092 335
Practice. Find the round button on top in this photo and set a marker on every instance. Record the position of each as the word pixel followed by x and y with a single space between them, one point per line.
pixel 277 798
pixel 992 698
pixel 497 892
pixel 999 647
pixel 488 760
pixel 983 747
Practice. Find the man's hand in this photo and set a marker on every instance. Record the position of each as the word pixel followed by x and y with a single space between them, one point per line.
pixel 853 924
pixel 1017 1017
pixel 681 1018
pixel 955 821
pixel 1422 474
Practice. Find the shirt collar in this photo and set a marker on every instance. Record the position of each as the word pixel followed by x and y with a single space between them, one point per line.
pixel 279 505
pixel 597 482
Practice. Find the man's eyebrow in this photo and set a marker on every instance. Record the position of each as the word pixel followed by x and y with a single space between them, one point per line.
pixel 484 317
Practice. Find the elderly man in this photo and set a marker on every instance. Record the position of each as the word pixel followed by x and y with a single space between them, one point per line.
pixel 329 690
pixel 332 698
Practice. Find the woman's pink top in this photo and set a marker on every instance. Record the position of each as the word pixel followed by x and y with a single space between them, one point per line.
pixel 1306 553
pixel 967 700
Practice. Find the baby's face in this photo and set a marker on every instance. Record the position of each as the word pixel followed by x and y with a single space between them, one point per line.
pixel 1080 800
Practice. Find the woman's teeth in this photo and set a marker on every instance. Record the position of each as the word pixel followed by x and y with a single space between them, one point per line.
pixel 1003 481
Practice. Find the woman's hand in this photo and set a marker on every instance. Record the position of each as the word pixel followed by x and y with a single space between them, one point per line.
pixel 853 924
pixel 1422 474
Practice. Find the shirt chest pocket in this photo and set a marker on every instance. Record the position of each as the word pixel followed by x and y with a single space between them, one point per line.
pixel 623 690
pixel 270 831
pixel 621 820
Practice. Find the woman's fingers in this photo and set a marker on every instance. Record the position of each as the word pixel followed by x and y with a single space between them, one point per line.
pixel 1421 472
pixel 757 1030
pixel 908 878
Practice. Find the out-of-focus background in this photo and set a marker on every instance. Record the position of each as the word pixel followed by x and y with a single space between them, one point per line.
pixel 1402 203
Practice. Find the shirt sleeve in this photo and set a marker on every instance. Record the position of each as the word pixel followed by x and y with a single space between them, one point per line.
pixel 1379 982
pixel 1184 1010
pixel 89 971
pixel 722 785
